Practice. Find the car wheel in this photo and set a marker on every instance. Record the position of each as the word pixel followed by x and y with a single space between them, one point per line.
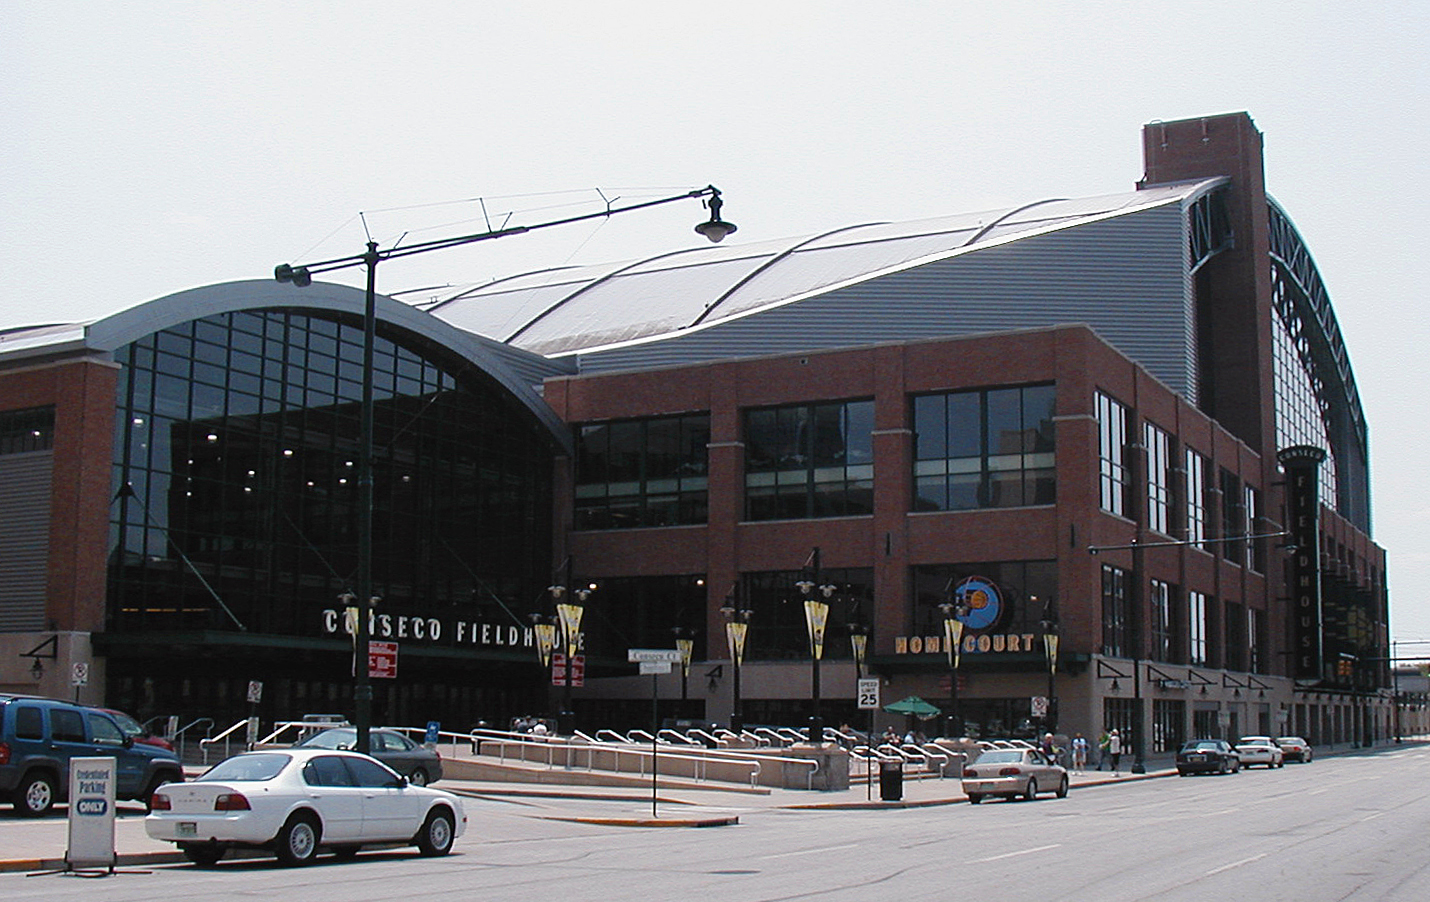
pixel 1031 792
pixel 974 798
pixel 203 854
pixel 418 777
pixel 1063 788
pixel 297 842
pixel 437 833
pixel 35 795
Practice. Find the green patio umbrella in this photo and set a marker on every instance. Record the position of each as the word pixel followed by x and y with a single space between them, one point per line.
pixel 915 706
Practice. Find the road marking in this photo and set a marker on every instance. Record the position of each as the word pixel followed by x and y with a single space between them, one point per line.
pixel 852 845
pixel 1370 817
pixel 1015 854
pixel 1237 864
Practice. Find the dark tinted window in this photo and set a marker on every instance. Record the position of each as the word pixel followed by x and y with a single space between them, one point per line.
pixel 66 726
pixel 370 773
pixel 326 771
pixel 29 723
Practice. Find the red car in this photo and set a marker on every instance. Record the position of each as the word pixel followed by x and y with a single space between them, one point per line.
pixel 134 731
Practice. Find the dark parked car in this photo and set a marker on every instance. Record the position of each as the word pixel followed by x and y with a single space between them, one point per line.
pixel 419 764
pixel 1207 756
pixel 39 736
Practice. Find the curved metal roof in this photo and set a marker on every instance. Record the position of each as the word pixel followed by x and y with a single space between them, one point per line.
pixel 564 311
pixel 514 370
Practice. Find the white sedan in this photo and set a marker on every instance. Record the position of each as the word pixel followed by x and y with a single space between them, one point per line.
pixel 1012 773
pixel 1260 750
pixel 297 801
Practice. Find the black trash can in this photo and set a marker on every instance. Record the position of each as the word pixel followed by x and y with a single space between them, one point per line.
pixel 891 781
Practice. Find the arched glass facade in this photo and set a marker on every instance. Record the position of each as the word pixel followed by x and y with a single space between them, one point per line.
pixel 1300 419
pixel 235 506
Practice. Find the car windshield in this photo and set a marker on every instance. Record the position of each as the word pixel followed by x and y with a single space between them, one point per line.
pixel 331 739
pixel 256 766
pixel 1255 740
pixel 1000 757
pixel 1291 740
pixel 1200 746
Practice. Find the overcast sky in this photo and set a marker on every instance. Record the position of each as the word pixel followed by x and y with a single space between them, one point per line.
pixel 150 147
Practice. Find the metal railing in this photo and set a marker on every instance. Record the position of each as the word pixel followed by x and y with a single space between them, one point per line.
pixel 180 737
pixel 226 737
pixel 560 753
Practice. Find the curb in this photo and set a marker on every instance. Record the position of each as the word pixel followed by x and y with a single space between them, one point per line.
pixel 131 859
pixel 650 821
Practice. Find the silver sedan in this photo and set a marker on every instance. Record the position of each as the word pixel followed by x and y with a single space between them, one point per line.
pixel 1013 773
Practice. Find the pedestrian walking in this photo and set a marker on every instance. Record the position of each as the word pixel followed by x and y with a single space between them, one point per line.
pixel 1079 753
pixel 1114 748
pixel 1103 741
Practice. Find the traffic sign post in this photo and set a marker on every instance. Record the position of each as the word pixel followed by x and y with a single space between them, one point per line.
pixel 79 676
pixel 654 661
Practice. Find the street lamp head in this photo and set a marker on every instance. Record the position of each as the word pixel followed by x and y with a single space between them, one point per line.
pixel 715 228
pixel 298 275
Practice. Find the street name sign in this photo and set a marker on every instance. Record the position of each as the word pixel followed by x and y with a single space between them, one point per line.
pixel 637 655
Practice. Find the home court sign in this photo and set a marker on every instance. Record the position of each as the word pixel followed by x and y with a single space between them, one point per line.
pixel 982 608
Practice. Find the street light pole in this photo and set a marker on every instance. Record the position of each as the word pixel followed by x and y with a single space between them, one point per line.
pixel 737 626
pixel 816 617
pixel 715 229
pixel 1049 625
pixel 953 613
pixel 685 642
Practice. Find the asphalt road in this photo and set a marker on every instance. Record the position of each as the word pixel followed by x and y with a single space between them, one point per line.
pixel 1351 827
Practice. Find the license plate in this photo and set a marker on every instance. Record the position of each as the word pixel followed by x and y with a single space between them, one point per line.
pixel 188 828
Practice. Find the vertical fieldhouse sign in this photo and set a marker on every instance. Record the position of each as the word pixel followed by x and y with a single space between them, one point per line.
pixel 91 813
pixel 1302 464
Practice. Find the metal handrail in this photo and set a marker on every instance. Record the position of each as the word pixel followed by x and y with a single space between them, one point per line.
pixel 643 754
pixel 674 737
pixel 706 739
pixel 284 726
pixel 180 741
pixel 208 741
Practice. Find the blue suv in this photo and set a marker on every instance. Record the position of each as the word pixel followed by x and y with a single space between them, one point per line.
pixel 39 736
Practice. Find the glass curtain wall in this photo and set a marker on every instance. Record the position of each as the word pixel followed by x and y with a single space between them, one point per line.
pixel 235 478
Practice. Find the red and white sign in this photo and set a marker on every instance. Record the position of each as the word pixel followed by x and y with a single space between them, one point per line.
pixel 382 660
pixel 558 669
